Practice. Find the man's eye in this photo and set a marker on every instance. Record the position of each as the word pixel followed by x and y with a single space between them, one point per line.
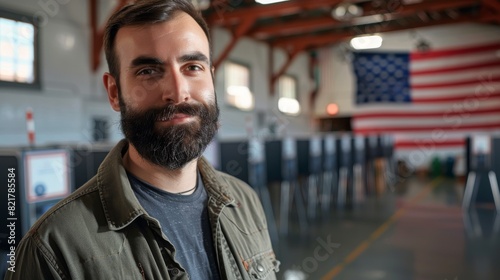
pixel 194 68
pixel 147 71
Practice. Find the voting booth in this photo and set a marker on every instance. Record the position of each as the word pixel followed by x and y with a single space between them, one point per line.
pixel 370 155
pixel 387 147
pixel 344 191
pixel 329 177
pixel 482 179
pixel 85 161
pixel 46 179
pixel 281 167
pixel 41 177
pixel 309 169
pixel 357 195
pixel 10 175
pixel 234 158
pixel 245 159
pixel 379 163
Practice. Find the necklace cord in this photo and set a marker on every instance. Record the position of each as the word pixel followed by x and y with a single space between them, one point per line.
pixel 187 190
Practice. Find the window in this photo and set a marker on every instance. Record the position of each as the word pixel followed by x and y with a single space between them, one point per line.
pixel 237 85
pixel 18 51
pixel 287 89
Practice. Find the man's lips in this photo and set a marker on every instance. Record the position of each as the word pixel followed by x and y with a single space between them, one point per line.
pixel 175 117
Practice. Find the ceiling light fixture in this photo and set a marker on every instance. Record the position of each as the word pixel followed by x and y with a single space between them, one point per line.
pixel 265 2
pixel 366 42
pixel 346 11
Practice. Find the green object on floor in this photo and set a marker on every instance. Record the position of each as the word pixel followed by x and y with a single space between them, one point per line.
pixel 436 167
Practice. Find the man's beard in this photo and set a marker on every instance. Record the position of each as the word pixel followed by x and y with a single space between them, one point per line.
pixel 173 146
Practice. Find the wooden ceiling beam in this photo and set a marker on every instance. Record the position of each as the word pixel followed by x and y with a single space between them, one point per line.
pixel 241 30
pixel 308 41
pixel 493 4
pixel 97 36
pixel 272 10
pixel 305 25
pixel 295 26
pixel 489 17
pixel 429 5
pixel 275 76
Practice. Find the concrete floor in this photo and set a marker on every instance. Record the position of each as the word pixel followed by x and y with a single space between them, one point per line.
pixel 417 231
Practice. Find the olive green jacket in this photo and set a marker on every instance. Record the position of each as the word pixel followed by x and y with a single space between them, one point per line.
pixel 102 232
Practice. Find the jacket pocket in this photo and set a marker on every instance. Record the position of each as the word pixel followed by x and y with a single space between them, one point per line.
pixel 117 266
pixel 262 266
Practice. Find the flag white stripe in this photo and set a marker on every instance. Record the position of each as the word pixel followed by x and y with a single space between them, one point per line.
pixel 480 89
pixel 425 135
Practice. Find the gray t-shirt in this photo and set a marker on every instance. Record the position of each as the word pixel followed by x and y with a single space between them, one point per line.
pixel 184 220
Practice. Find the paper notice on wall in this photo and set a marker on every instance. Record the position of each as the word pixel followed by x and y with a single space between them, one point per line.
pixel 47 175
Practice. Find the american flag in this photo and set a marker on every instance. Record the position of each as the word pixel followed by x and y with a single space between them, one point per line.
pixel 432 98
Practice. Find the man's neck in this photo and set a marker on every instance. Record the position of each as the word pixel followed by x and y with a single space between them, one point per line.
pixel 173 181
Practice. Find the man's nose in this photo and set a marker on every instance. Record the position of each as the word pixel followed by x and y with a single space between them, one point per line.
pixel 176 89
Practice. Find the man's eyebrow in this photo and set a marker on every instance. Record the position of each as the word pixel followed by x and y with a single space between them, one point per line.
pixel 146 60
pixel 194 56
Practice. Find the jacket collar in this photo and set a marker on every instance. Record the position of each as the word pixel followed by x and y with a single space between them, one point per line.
pixel 217 188
pixel 119 202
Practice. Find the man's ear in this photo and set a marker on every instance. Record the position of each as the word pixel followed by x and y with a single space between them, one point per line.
pixel 213 71
pixel 112 89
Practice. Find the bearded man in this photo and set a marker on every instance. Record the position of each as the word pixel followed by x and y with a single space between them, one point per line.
pixel 155 209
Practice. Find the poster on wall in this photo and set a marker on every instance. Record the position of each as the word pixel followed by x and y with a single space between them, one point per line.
pixel 47 175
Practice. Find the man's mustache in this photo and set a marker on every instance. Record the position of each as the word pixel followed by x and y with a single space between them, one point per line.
pixel 169 111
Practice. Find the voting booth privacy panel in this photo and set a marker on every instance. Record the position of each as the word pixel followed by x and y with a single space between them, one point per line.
pixel 38 178
pixel 46 175
pixel 245 160
pixel 483 169
pixel 234 159
pixel 11 198
pixel 43 176
pixel 309 155
pixel 47 178
pixel 86 163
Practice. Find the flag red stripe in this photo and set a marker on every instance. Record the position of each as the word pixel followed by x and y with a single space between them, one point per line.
pixel 479 82
pixel 452 52
pixel 456 68
pixel 390 115
pixel 428 128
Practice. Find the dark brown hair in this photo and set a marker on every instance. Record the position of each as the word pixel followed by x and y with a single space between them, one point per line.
pixel 144 12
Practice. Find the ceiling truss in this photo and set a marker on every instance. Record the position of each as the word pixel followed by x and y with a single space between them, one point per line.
pixel 303 25
pixel 298 26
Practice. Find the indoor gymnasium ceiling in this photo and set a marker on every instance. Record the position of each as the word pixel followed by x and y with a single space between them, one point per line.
pixel 301 25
